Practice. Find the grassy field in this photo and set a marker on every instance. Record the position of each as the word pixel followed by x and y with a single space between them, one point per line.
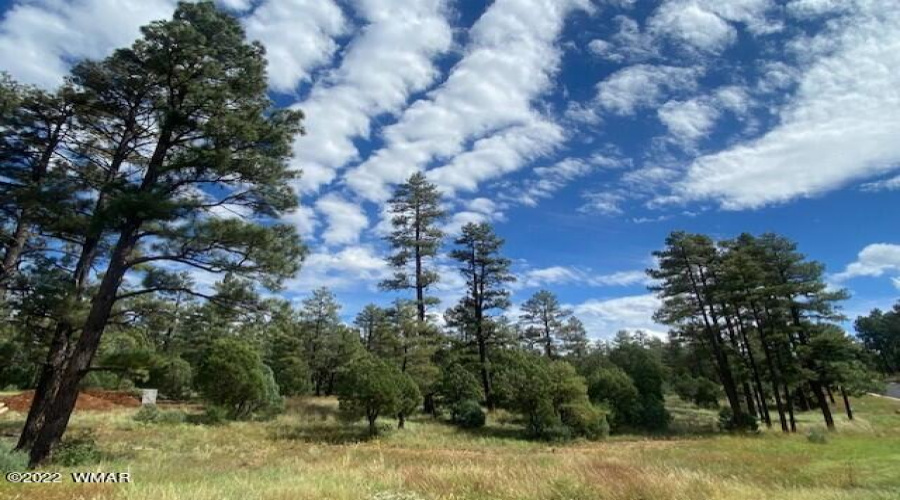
pixel 307 454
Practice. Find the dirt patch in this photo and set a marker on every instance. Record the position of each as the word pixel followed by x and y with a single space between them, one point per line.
pixel 92 400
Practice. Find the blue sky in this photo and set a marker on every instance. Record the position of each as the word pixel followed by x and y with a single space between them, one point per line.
pixel 584 130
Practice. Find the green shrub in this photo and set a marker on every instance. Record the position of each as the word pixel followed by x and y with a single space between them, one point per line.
pixel 817 435
pixel 469 414
pixel 172 417
pixel 707 393
pixel 585 420
pixel 12 461
pixel 292 375
pixel 410 396
pixel 147 414
pixel 557 432
pixel 151 414
pixel 742 422
pixel 80 449
pixel 233 376
pixel 370 388
pixel 614 389
pixel 172 376
pixel 214 415
pixel 457 385
pixel 273 403
pixel 652 414
pixel 539 390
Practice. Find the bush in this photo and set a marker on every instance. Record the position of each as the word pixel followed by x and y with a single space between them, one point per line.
pixel 707 393
pixel 456 386
pixel 370 388
pixel 557 432
pixel 214 415
pixel 614 389
pixel 147 414
pixel 151 414
pixel 292 375
pixel 698 390
pixel 80 449
pixel 172 376
pixel 172 417
pixel 13 461
pixel 585 420
pixel 468 414
pixel 817 435
pixel 652 414
pixel 542 390
pixel 272 403
pixel 233 376
pixel 742 422
pixel 410 396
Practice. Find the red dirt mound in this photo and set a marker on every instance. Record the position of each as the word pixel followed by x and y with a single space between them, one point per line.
pixel 92 400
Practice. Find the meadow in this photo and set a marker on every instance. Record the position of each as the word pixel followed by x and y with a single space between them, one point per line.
pixel 308 453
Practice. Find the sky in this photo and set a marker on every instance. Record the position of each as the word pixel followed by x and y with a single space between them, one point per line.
pixel 584 130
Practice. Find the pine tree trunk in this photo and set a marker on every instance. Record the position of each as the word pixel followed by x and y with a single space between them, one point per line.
pixel 774 375
pixel 748 396
pixel 823 403
pixel 790 407
pixel 14 251
pixel 847 406
pixel 46 390
pixel 60 407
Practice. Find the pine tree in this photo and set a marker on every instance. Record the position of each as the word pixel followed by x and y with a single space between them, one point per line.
pixel 544 322
pixel 486 273
pixel 415 239
pixel 208 140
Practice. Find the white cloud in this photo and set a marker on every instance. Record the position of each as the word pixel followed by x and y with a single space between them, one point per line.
pixel 508 64
pixel 891 184
pixel 874 260
pixel 303 219
pixel 39 39
pixel 389 59
pixel 603 318
pixel 643 85
pixel 497 155
pixel 689 22
pixel 548 180
pixel 562 275
pixel 708 25
pixel 603 202
pixel 814 8
pixel 629 44
pixel 688 121
pixel 841 126
pixel 346 220
pixel 298 36
pixel 350 268
pixel 475 211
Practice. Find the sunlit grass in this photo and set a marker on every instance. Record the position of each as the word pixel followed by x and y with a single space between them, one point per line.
pixel 309 454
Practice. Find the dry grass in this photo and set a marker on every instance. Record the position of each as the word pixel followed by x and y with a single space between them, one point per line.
pixel 308 454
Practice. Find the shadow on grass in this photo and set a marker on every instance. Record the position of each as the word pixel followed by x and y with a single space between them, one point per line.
pixel 328 432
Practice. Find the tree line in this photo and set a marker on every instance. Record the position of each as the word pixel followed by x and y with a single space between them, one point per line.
pixel 168 156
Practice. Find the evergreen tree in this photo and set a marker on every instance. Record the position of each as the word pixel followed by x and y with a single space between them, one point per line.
pixel 486 273
pixel 203 137
pixel 543 322
pixel 415 239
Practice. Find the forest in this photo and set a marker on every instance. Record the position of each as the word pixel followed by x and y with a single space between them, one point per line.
pixel 168 158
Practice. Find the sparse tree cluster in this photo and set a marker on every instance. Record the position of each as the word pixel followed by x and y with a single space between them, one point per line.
pixel 764 318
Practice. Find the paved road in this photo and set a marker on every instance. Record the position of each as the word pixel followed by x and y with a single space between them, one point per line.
pixel 893 390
